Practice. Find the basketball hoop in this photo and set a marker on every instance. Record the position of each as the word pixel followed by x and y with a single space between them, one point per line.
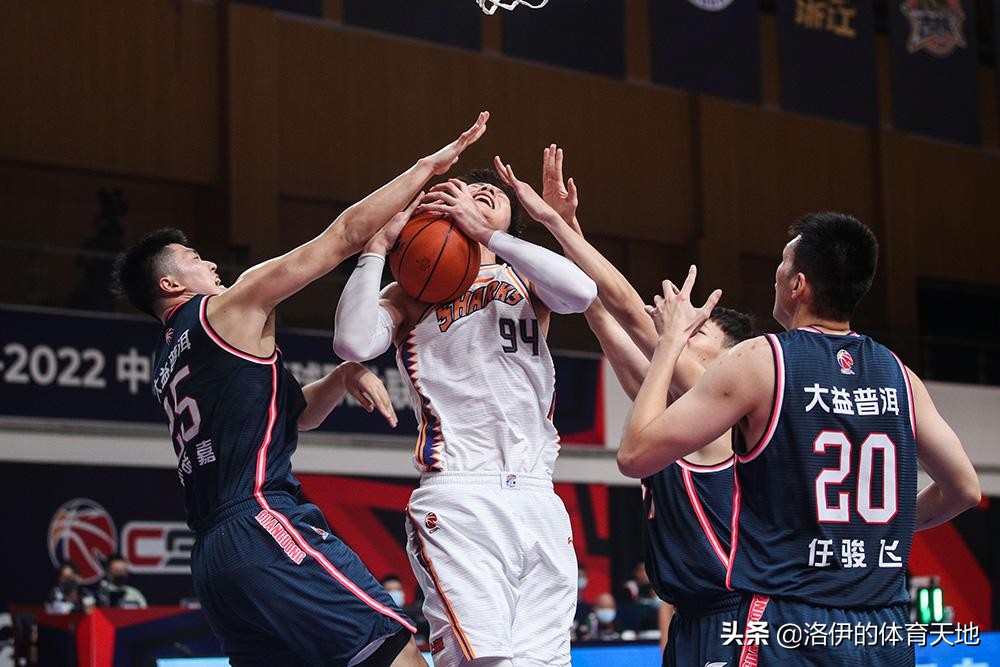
pixel 490 6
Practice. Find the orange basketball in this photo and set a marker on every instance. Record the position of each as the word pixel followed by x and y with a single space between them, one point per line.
pixel 433 261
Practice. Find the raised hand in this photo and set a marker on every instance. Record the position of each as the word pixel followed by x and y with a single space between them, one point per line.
pixel 453 198
pixel 385 238
pixel 369 391
pixel 561 196
pixel 530 200
pixel 675 317
pixel 441 161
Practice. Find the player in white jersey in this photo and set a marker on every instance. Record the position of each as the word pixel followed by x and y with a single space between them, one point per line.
pixel 489 540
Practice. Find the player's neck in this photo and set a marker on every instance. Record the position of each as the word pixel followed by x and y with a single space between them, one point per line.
pixel 486 256
pixel 822 324
pixel 167 306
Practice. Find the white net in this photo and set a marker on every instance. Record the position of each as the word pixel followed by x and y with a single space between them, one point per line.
pixel 490 6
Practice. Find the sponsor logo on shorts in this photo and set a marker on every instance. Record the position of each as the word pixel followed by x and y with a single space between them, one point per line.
pixel 845 361
pixel 319 531
pixel 437 646
pixel 510 481
pixel 716 664
pixel 269 523
pixel 431 521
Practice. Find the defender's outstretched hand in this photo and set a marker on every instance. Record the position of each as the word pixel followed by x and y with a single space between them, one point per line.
pixel 453 198
pixel 532 202
pixel 675 317
pixel 561 196
pixel 441 161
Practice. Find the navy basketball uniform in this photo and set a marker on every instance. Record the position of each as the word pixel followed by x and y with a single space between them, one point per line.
pixel 276 585
pixel 825 503
pixel 688 510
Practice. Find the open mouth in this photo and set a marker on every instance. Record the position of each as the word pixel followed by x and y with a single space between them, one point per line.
pixel 486 198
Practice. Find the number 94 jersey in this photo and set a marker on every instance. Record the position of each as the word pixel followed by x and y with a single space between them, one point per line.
pixel 825 503
pixel 482 381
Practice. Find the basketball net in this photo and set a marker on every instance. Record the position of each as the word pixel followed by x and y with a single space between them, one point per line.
pixel 490 6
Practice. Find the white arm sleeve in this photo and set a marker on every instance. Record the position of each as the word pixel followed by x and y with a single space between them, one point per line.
pixel 362 328
pixel 558 282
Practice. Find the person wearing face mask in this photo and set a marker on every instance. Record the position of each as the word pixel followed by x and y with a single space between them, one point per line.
pixel 67 596
pixel 605 613
pixel 114 591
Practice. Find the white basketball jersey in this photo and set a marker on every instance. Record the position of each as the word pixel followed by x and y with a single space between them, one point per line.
pixel 482 381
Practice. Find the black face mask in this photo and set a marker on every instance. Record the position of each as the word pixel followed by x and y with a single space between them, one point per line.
pixel 119 580
pixel 68 586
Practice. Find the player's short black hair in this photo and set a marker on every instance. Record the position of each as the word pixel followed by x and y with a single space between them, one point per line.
pixel 838 254
pixel 493 178
pixel 137 270
pixel 114 557
pixel 736 326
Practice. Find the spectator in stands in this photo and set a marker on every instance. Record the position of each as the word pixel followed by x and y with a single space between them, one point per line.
pixel 67 596
pixel 630 589
pixel 113 591
pixel 603 621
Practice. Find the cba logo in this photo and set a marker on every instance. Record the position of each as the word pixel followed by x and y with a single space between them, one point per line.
pixel 431 521
pixel 82 531
pixel 845 361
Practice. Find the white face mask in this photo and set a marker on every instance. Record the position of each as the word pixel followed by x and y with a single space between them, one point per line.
pixel 399 597
pixel 581 583
pixel 605 616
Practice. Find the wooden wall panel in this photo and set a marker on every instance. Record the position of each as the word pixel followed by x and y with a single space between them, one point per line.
pixel 119 86
pixel 349 122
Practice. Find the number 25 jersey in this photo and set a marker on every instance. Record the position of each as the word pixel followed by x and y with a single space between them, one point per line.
pixel 482 381
pixel 825 503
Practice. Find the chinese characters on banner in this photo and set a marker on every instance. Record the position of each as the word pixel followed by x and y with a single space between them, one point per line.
pixel 827 52
pixel 935 68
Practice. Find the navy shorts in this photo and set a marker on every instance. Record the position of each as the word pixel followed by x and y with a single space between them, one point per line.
pixel 279 589
pixel 696 633
pixel 804 635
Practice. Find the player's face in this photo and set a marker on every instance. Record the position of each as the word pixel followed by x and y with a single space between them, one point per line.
pixel 707 343
pixel 493 203
pixel 194 273
pixel 784 278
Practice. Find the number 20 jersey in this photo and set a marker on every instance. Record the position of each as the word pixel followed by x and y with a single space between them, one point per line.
pixel 825 503
pixel 482 381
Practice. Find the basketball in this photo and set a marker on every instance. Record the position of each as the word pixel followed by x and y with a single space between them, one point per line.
pixel 433 261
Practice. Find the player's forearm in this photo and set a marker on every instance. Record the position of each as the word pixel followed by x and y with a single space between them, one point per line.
pixel 322 396
pixel 618 295
pixel 557 281
pixel 935 505
pixel 627 362
pixel 641 452
pixel 362 328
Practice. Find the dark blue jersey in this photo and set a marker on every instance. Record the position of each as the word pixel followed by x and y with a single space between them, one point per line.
pixel 825 502
pixel 232 416
pixel 688 509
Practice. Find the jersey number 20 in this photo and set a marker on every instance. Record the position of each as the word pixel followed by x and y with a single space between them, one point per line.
pixel 840 512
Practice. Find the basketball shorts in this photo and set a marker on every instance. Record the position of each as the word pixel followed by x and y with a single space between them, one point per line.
pixel 494 556
pixel 804 635
pixel 279 589
pixel 696 633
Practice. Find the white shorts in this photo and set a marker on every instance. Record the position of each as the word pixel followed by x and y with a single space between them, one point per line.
pixel 494 556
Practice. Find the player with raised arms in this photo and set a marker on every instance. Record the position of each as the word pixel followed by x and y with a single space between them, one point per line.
pixel 831 426
pixel 489 540
pixel 687 507
pixel 277 587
